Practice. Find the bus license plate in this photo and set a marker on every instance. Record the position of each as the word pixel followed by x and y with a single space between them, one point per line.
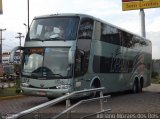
pixel 41 93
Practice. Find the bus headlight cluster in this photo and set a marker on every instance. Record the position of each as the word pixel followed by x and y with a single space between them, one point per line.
pixel 25 84
pixel 62 86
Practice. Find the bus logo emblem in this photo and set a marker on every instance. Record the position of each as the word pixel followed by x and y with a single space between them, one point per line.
pixel 41 85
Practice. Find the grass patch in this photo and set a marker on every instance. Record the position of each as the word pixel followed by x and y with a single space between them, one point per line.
pixel 8 92
pixel 155 80
pixel 11 91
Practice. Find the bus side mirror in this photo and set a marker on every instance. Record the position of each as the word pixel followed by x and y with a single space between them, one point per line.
pixel 11 59
pixel 71 56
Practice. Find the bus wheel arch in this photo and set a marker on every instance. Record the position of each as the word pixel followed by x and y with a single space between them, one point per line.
pixel 95 83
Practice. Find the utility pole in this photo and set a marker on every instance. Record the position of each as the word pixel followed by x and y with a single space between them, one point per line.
pixel 28 13
pixel 142 21
pixel 1 44
pixel 19 37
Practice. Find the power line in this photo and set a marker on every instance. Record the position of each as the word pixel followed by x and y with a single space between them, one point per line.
pixel 11 41
pixel 20 36
pixel 6 50
pixel 11 47
pixel 7 45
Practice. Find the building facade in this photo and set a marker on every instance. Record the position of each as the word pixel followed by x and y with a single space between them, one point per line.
pixel 6 56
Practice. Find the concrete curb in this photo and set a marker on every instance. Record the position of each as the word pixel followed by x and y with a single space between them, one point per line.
pixel 11 97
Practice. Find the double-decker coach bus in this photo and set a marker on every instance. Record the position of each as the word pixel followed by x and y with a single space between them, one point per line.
pixel 70 52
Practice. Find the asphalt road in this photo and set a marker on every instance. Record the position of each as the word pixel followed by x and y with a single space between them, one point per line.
pixel 144 103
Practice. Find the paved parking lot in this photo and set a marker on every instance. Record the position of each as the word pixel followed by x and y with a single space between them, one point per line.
pixel 146 102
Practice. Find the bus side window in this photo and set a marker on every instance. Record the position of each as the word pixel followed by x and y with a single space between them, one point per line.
pixel 97 31
pixel 85 29
pixel 110 34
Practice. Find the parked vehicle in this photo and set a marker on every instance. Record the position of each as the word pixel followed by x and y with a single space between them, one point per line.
pixel 91 54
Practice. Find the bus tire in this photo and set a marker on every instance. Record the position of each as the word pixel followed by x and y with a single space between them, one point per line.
pixel 50 98
pixel 140 85
pixel 135 86
pixel 93 94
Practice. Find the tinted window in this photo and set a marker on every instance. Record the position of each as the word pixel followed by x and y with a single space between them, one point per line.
pixel 85 29
pixel 110 34
pixel 103 64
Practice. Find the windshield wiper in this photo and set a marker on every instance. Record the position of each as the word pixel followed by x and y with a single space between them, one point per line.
pixel 55 75
pixel 48 73
pixel 36 74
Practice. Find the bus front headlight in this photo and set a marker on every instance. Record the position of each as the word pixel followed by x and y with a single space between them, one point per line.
pixel 66 86
pixel 25 85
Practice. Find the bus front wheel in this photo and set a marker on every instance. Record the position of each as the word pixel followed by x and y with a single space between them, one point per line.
pixel 96 84
pixel 50 98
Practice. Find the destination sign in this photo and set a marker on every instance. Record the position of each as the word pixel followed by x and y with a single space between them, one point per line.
pixel 36 50
pixel 139 4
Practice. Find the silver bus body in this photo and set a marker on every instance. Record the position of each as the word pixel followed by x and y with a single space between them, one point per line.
pixel 96 54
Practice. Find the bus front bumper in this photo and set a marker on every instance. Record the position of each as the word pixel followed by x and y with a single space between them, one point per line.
pixel 44 92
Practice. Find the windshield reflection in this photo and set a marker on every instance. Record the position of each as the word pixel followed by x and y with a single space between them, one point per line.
pixel 46 62
pixel 53 28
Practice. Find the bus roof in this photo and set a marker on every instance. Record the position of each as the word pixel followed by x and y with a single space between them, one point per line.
pixel 89 16
pixel 64 15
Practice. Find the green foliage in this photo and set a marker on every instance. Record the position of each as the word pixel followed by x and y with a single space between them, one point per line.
pixel 17 83
pixel 156 81
pixel 155 75
pixel 16 67
pixel 18 90
pixel 8 92
pixel 11 91
pixel 155 78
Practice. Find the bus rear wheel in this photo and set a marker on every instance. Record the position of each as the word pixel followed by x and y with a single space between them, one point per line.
pixel 141 85
pixel 135 87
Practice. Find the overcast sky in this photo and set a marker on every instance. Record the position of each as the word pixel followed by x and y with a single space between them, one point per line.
pixel 15 14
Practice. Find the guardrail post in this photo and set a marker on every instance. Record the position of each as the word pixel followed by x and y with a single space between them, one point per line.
pixel 101 100
pixel 101 103
pixel 68 104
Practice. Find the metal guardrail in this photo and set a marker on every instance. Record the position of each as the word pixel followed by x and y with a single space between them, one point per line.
pixel 100 114
pixel 81 102
pixel 68 107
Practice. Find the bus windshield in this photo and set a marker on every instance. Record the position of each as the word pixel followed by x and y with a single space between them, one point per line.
pixel 46 63
pixel 53 28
